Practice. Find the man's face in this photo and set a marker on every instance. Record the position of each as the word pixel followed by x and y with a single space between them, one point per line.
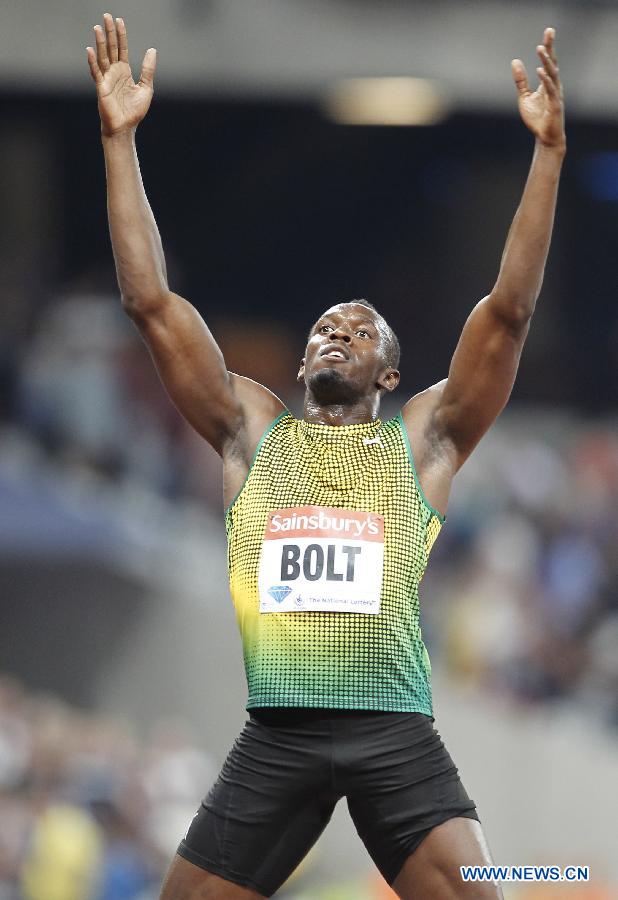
pixel 344 359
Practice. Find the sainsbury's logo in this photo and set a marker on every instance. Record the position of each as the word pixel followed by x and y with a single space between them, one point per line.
pixel 324 521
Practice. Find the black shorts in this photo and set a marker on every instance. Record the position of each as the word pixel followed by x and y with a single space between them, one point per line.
pixel 288 768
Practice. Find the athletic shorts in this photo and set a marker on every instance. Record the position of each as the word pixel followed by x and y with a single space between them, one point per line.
pixel 288 768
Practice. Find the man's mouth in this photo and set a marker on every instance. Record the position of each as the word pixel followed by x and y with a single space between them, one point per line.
pixel 334 353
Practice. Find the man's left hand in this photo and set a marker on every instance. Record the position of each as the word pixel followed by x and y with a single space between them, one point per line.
pixel 542 110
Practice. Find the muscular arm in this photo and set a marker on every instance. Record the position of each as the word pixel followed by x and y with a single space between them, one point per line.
pixel 227 410
pixel 485 362
pixel 184 351
pixel 486 359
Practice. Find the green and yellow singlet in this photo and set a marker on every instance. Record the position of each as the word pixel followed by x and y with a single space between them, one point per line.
pixel 328 540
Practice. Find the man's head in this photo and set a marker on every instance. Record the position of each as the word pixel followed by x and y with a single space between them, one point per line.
pixel 352 354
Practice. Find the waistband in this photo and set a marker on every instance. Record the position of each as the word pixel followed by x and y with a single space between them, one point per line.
pixel 296 715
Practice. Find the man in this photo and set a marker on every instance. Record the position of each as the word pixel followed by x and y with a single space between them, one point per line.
pixel 330 523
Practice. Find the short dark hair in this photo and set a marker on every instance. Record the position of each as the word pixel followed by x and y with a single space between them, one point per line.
pixel 393 348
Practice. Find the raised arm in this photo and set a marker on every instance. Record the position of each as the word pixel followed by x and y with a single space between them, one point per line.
pixel 229 411
pixel 486 359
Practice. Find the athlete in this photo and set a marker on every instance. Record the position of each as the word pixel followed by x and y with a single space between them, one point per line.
pixel 330 521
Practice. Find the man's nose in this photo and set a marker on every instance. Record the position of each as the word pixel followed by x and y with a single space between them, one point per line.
pixel 341 334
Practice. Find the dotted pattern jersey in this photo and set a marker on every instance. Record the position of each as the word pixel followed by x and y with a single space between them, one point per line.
pixel 340 660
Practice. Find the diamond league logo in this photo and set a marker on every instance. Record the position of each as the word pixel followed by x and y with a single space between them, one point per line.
pixel 279 592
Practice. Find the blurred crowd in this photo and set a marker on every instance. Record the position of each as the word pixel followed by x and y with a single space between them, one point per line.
pixel 521 596
pixel 87 810
pixel 83 385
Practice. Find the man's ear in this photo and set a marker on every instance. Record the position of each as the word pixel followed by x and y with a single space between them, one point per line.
pixel 301 371
pixel 389 379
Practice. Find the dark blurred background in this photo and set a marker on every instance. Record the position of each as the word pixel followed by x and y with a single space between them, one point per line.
pixel 121 686
pixel 271 212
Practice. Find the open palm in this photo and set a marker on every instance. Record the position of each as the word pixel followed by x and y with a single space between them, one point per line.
pixel 542 110
pixel 123 103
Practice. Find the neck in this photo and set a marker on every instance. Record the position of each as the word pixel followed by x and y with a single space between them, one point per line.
pixel 362 411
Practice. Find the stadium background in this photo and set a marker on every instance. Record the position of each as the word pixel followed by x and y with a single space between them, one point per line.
pixel 121 685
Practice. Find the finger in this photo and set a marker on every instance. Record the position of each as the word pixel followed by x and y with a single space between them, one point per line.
pixel 96 73
pixel 123 47
pixel 112 40
pixel 102 58
pixel 148 68
pixel 550 66
pixel 520 77
pixel 548 83
pixel 549 39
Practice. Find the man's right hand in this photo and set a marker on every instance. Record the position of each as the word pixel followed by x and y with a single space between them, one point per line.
pixel 122 102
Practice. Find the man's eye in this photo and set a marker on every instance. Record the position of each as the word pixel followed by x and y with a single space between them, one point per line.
pixel 362 333
pixel 324 328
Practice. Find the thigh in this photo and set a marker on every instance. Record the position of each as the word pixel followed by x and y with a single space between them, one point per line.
pixel 433 869
pixel 406 784
pixel 268 806
pixel 186 881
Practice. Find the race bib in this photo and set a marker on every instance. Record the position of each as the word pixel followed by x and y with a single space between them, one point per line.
pixel 317 558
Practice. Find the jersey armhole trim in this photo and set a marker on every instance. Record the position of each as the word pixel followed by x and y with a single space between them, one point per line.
pixel 274 422
pixel 406 439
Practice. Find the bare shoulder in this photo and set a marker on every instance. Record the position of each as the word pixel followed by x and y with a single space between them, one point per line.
pixel 260 406
pixel 419 415
pixel 435 458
